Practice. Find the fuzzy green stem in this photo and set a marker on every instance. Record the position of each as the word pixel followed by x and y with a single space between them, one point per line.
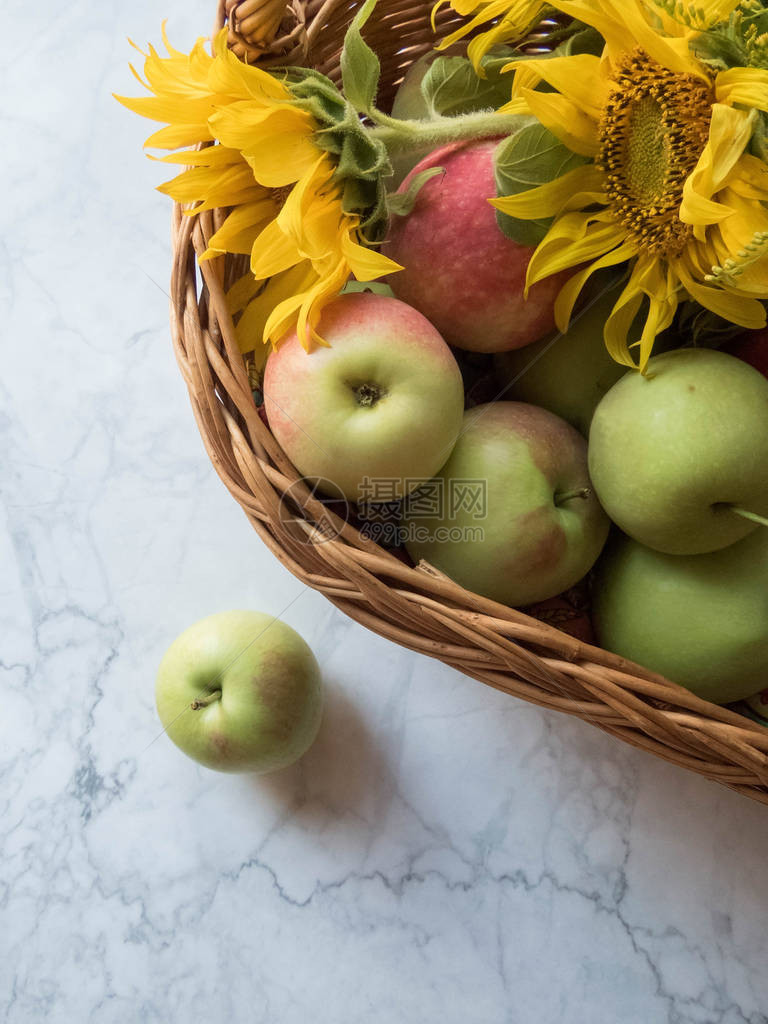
pixel 203 702
pixel 399 136
pixel 578 492
pixel 753 517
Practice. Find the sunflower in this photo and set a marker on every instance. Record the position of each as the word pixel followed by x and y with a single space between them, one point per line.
pixel 251 147
pixel 509 21
pixel 668 185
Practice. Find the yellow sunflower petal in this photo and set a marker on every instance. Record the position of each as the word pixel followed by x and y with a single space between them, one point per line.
pixel 239 231
pixel 599 15
pixel 580 78
pixel 651 280
pixel 232 77
pixel 660 284
pixel 273 252
pixel 552 198
pixel 571 290
pixel 515 106
pixel 243 292
pixel 565 120
pixel 625 26
pixel 515 18
pixel 729 134
pixel 276 141
pixel 210 189
pixel 574 238
pixel 747 86
pixel 366 264
pixel 282 291
pixel 733 243
pixel 749 178
pixel 747 313
pixel 327 288
pixel 312 214
pixel 619 324
pixel 730 131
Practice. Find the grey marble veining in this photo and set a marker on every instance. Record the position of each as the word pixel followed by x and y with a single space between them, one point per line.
pixel 443 853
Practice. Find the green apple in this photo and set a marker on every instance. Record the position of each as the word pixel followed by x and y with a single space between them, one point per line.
pixel 699 620
pixel 677 456
pixel 569 373
pixel 240 691
pixel 517 520
pixel 383 402
pixel 409 103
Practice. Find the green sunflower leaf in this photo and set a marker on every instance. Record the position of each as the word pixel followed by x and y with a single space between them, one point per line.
pixel 531 157
pixel 360 67
pixel 451 87
pixel 401 203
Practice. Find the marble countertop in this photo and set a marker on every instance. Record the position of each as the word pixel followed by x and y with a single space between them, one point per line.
pixel 443 853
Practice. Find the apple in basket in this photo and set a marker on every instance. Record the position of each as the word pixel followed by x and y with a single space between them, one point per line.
pixel 511 515
pixel 460 270
pixel 382 402
pixel 699 620
pixel 679 458
pixel 566 373
pixel 240 691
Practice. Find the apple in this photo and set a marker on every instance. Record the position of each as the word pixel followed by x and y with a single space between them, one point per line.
pixel 384 402
pixel 699 620
pixel 568 374
pixel 240 691
pixel 460 91
pixel 461 271
pixel 675 454
pixel 517 521
pixel 410 105
pixel 752 348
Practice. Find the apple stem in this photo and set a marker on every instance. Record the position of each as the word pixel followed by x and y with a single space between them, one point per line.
pixel 203 702
pixel 577 492
pixel 753 517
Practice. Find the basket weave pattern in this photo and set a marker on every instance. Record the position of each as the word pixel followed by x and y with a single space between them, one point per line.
pixel 415 607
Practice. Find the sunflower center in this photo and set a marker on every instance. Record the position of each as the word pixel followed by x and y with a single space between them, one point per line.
pixel 654 128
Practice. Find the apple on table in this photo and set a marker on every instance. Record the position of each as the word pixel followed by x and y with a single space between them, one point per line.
pixel 240 691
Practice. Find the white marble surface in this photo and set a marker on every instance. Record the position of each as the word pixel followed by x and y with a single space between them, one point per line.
pixel 443 854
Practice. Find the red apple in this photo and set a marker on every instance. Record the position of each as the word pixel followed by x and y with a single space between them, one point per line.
pixel 752 348
pixel 461 271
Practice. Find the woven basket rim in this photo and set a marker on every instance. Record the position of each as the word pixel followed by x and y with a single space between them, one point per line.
pixel 418 607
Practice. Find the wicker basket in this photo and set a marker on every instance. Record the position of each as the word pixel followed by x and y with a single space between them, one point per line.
pixel 415 607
